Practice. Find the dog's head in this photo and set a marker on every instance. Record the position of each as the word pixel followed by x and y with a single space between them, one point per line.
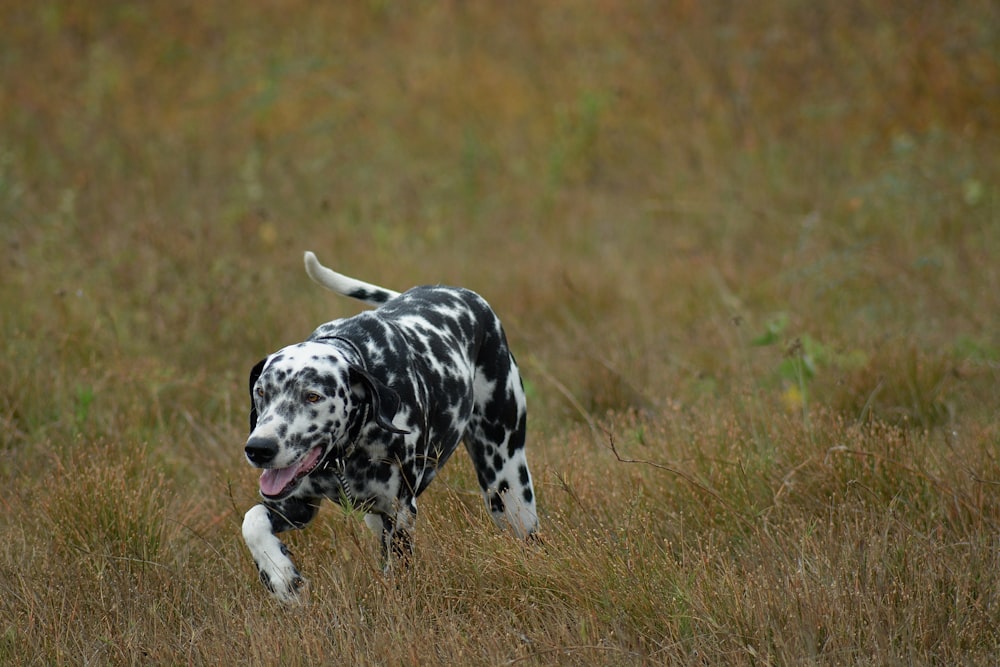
pixel 305 401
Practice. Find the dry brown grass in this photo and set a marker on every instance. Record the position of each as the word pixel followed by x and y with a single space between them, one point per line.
pixel 746 256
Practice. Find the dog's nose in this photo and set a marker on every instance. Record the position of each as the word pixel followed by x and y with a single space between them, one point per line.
pixel 260 451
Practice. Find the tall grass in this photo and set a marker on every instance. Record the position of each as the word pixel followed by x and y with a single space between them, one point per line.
pixel 745 256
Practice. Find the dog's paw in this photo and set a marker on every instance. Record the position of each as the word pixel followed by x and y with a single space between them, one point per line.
pixel 285 583
pixel 274 563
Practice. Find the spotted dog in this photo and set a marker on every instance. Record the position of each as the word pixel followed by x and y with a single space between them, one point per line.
pixel 366 410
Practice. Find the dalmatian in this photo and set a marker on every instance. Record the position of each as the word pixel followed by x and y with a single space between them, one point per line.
pixel 367 410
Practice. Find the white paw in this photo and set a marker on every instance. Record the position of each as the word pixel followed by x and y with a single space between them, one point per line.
pixel 284 581
pixel 277 571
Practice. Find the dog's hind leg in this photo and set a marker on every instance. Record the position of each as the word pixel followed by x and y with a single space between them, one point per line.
pixel 511 497
pixel 495 441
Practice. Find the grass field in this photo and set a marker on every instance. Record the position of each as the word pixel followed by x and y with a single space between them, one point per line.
pixel 746 255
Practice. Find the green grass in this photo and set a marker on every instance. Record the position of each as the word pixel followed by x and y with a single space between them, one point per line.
pixel 745 255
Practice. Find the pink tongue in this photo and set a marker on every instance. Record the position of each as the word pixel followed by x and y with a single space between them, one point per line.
pixel 274 480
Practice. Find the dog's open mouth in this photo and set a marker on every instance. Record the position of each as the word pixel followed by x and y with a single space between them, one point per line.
pixel 278 482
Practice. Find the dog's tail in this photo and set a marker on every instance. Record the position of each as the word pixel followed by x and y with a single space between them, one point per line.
pixel 341 284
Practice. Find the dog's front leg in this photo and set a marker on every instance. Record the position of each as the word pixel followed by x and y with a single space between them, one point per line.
pixel 274 564
pixel 395 533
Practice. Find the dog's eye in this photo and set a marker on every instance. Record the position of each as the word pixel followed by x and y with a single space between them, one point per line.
pixel 312 397
pixel 260 392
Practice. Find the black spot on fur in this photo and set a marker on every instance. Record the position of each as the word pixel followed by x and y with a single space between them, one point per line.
pixel 496 503
pixel 265 579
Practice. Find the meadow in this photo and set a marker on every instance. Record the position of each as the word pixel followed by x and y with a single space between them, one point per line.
pixel 746 255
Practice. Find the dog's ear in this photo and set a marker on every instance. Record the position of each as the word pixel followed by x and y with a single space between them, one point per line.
pixel 385 401
pixel 254 374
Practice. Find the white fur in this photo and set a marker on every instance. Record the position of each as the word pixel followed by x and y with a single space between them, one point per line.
pixel 269 555
pixel 341 284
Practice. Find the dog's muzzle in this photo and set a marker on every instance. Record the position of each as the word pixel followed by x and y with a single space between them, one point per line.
pixel 278 482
